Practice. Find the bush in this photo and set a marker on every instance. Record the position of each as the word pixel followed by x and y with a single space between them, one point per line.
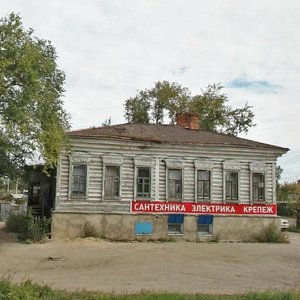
pixel 271 234
pixel 15 223
pixel 88 230
pixel 28 227
pixel 29 290
pixel 294 229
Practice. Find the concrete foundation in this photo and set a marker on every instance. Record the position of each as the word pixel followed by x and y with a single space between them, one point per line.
pixel 122 227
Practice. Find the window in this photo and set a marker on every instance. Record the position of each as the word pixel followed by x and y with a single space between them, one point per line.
pixel 112 176
pixel 205 225
pixel 203 184
pixel 231 186
pixel 175 184
pixel 79 175
pixel 258 187
pixel 34 196
pixel 36 190
pixel 143 176
pixel 112 182
pixel 79 180
pixel 175 224
pixel 258 174
pixel 143 182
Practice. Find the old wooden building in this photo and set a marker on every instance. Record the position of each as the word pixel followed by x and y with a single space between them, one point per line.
pixel 142 181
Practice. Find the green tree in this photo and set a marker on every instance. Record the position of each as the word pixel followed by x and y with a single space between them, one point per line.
pixel 290 193
pixel 32 118
pixel 137 109
pixel 168 99
pixel 152 105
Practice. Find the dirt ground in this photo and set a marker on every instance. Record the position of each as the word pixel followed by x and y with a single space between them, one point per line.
pixel 170 267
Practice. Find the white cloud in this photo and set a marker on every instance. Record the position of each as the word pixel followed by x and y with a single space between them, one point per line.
pixel 111 48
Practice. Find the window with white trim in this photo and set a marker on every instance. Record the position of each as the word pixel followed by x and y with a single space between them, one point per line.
pixel 79 174
pixel 231 185
pixel 174 178
pixel 175 183
pixel 258 171
pixel 175 224
pixel 143 177
pixel 203 179
pixel 258 187
pixel 143 182
pixel 205 225
pixel 112 182
pixel 231 181
pixel 203 184
pixel 112 176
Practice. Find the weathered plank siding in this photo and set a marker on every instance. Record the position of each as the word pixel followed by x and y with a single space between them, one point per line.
pixel 96 148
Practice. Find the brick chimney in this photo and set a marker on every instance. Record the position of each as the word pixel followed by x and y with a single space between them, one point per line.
pixel 188 120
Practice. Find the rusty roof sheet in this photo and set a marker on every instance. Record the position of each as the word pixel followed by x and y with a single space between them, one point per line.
pixel 172 134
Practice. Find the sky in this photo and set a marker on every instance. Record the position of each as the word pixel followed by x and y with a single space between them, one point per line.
pixel 109 49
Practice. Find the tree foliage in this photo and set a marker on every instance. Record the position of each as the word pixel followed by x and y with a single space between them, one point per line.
pixel 290 193
pixel 169 98
pixel 32 118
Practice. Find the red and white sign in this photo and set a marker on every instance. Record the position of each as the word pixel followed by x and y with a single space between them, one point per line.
pixel 200 208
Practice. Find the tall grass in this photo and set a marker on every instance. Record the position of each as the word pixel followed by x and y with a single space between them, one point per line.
pixel 27 227
pixel 271 234
pixel 32 291
pixel 294 229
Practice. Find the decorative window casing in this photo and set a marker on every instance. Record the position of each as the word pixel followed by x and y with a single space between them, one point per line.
pixel 258 171
pixel 143 177
pixel 112 182
pixel 112 176
pixel 174 179
pixel 231 181
pixel 79 174
pixel 79 178
pixel 203 180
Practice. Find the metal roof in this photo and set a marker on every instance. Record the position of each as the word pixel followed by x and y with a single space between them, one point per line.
pixel 171 134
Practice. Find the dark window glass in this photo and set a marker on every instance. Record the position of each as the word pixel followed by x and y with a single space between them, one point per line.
pixel 143 182
pixel 175 184
pixel 175 224
pixel 258 187
pixel 205 225
pixel 112 182
pixel 231 186
pixel 203 184
pixel 79 180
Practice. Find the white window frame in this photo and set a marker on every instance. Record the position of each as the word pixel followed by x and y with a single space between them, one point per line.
pixel 175 164
pixel 79 159
pixel 179 230
pixel 208 232
pixel 258 168
pixel 112 160
pixel 143 162
pixel 235 167
pixel 203 165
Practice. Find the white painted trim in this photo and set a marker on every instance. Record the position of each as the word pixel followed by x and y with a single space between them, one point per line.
pixel 274 181
pixel 156 193
pixel 143 161
pixel 258 168
pixel 112 160
pixel 79 159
